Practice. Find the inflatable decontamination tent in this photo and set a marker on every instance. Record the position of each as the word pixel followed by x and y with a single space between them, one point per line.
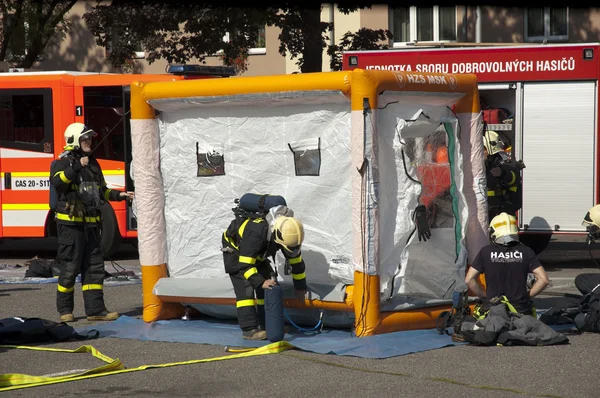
pixel 353 153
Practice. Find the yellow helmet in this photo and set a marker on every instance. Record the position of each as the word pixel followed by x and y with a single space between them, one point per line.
pixel 503 229
pixel 592 222
pixel 75 132
pixel 493 142
pixel 289 233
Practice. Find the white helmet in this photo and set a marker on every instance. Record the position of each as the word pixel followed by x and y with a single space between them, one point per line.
pixel 503 229
pixel 289 233
pixel 592 222
pixel 493 142
pixel 75 132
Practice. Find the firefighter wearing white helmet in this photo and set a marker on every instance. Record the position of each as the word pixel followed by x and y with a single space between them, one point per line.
pixel 77 193
pixel 248 243
pixel 503 176
pixel 506 263
pixel 590 282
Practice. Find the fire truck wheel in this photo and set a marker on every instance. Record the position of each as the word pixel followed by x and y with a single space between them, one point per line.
pixel 537 242
pixel 111 237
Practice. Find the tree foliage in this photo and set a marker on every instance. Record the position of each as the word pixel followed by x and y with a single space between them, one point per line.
pixel 191 32
pixel 363 39
pixel 29 27
pixel 174 32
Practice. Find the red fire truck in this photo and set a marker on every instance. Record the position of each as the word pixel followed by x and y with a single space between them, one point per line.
pixel 549 95
pixel 35 109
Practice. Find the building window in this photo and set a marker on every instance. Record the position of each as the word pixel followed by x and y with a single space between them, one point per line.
pixel 17 46
pixel 547 23
pixel 260 46
pixel 434 23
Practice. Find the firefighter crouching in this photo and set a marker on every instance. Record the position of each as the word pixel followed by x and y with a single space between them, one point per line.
pixel 503 174
pixel 81 189
pixel 247 244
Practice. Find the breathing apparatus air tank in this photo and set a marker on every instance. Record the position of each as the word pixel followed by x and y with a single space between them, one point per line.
pixel 256 203
pixel 274 320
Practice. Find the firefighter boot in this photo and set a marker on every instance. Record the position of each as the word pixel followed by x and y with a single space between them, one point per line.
pixel 67 318
pixel 103 316
pixel 254 334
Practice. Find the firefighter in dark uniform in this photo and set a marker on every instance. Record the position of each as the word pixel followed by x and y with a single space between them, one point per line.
pixel 81 189
pixel 247 245
pixel 589 283
pixel 503 175
pixel 506 263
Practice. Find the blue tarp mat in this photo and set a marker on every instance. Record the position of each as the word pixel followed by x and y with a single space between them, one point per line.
pixel 226 333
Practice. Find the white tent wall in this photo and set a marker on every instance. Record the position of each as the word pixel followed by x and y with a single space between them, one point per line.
pixel 253 137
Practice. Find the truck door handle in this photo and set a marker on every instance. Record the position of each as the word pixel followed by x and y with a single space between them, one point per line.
pixel 7 181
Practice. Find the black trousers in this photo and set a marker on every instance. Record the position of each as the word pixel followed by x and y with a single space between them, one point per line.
pixel 79 252
pixel 585 283
pixel 250 313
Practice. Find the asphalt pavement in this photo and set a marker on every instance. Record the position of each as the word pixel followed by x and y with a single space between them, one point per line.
pixel 554 371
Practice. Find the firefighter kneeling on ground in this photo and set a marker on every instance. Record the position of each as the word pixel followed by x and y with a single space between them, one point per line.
pixel 504 191
pixel 247 244
pixel 506 263
pixel 81 190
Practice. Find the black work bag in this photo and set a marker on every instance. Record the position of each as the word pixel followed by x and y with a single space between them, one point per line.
pixel 19 330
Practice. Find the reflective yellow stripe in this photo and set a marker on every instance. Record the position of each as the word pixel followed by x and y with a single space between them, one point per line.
pixel 260 301
pixel 514 178
pixel 63 289
pixel 243 228
pixel 247 260
pixel 66 217
pixel 503 223
pixel 113 172
pixel 514 189
pixel 26 206
pixel 107 193
pixel 295 260
pixel 491 193
pixel 259 258
pixel 245 303
pixel 93 286
pixel 28 174
pixel 62 176
pixel 250 272
pixel 299 276
pixel 230 241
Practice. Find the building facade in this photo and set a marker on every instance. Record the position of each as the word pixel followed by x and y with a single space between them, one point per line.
pixel 480 24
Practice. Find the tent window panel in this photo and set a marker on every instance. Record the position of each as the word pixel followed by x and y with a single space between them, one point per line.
pixel 211 161
pixel 307 156
pixel 430 156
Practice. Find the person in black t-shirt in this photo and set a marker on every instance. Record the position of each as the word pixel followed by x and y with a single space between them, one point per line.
pixel 505 262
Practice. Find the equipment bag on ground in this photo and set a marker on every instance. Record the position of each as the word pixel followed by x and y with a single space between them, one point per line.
pixel 20 330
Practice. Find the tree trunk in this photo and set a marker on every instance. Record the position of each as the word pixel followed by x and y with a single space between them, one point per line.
pixel 312 55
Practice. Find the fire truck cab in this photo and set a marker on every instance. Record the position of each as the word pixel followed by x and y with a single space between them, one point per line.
pixel 35 109
pixel 547 95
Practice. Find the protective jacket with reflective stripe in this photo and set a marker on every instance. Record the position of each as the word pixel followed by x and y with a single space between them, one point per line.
pixel 66 175
pixel 248 238
pixel 504 192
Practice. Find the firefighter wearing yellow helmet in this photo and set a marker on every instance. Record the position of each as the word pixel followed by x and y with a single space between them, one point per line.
pixel 506 263
pixel 590 282
pixel 248 243
pixel 503 175
pixel 78 191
